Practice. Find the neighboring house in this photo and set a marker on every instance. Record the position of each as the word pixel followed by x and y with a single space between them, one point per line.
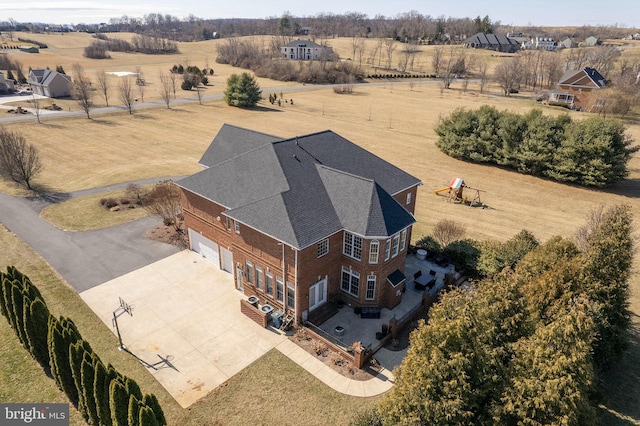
pixel 566 43
pixel 6 85
pixel 500 43
pixel 49 83
pixel 301 221
pixel 575 87
pixel 306 50
pixel 544 43
pixel 592 41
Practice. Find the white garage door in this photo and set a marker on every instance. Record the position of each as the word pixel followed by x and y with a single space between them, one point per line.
pixel 207 248
pixel 227 260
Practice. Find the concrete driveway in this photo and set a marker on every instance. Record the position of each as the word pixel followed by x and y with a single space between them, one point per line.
pixel 186 311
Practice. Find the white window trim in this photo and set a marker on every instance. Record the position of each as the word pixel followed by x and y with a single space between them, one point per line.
pixel 259 278
pixel 387 249
pixel 250 272
pixel 409 198
pixel 293 292
pixel 395 245
pixel 403 240
pixel 371 279
pixel 324 244
pixel 280 283
pixel 372 252
pixel 236 226
pixel 266 287
pixel 349 240
pixel 352 274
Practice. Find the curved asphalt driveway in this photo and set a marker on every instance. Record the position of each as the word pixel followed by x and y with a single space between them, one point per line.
pixel 84 259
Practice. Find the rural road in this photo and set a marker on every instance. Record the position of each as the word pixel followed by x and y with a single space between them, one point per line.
pixel 47 115
pixel 84 259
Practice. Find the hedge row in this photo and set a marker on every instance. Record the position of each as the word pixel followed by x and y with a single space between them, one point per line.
pixel 590 152
pixel 100 393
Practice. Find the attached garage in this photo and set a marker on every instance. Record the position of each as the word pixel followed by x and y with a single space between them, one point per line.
pixel 205 247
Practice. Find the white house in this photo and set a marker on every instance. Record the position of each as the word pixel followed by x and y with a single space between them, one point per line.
pixel 306 50
pixel 544 43
pixel 49 83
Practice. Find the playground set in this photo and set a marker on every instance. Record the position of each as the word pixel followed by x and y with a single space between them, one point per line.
pixel 455 193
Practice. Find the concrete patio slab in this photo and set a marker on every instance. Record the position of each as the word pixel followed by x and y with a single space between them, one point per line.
pixel 187 312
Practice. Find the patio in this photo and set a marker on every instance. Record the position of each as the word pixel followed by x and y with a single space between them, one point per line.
pixel 357 329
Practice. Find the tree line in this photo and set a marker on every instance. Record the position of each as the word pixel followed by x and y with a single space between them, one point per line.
pixel 528 344
pixel 591 152
pixel 102 395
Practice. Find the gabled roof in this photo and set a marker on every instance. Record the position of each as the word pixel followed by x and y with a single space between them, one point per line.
pixel 491 39
pixel 302 43
pixel 45 77
pixel 303 189
pixel 583 78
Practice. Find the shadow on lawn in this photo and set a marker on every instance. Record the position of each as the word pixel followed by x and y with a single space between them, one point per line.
pixel 620 392
pixel 44 195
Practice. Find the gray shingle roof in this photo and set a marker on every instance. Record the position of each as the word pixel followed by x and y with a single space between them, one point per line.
pixel 303 189
pixel 491 39
pixel 302 43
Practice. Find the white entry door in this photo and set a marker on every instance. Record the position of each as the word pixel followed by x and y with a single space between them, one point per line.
pixel 227 260
pixel 207 248
pixel 318 294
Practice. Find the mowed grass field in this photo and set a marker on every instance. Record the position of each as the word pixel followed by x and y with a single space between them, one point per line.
pixel 394 121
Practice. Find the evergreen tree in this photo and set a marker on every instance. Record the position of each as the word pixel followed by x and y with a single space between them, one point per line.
pixel 147 417
pixel 17 302
pixel 5 286
pixel 100 384
pixel 151 401
pixel 36 326
pixel 133 411
pixel 242 90
pixel 606 270
pixel 87 373
pixel 118 403
pixel 133 388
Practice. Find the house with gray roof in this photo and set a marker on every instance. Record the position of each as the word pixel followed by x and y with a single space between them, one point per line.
pixel 306 50
pixel 49 83
pixel 301 221
pixel 497 42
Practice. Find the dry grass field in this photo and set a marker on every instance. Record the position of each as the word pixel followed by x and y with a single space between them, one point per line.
pixel 394 121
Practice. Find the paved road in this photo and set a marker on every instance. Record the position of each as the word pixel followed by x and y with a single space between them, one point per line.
pixel 84 259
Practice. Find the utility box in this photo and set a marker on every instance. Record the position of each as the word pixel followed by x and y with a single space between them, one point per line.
pixel 276 318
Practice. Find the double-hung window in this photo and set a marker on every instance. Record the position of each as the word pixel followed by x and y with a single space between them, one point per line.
pixel 268 280
pixel 259 277
pixel 374 250
pixel 350 281
pixel 403 240
pixel 371 287
pixel 279 289
pixel 394 247
pixel 352 246
pixel 291 297
pixel 249 272
pixel 387 249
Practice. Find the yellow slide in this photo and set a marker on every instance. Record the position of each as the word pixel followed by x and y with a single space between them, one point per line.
pixel 441 190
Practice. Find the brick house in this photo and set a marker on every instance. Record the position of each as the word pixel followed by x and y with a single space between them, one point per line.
pixel 301 221
pixel 575 87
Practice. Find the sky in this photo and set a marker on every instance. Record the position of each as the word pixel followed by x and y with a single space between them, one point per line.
pixel 623 13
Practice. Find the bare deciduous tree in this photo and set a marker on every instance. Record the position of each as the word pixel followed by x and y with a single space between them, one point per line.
pixel 594 218
pixel 164 201
pixel 482 68
pixel 81 89
pixel 103 84
pixel 198 86
pixel 141 83
pixel 35 101
pixel 448 231
pixel 19 160
pixel 165 88
pixel 125 90
pixel 508 75
pixel 389 47
pixel 173 77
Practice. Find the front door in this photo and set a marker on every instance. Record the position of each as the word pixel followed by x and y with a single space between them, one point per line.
pixel 239 275
pixel 317 294
pixel 227 260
